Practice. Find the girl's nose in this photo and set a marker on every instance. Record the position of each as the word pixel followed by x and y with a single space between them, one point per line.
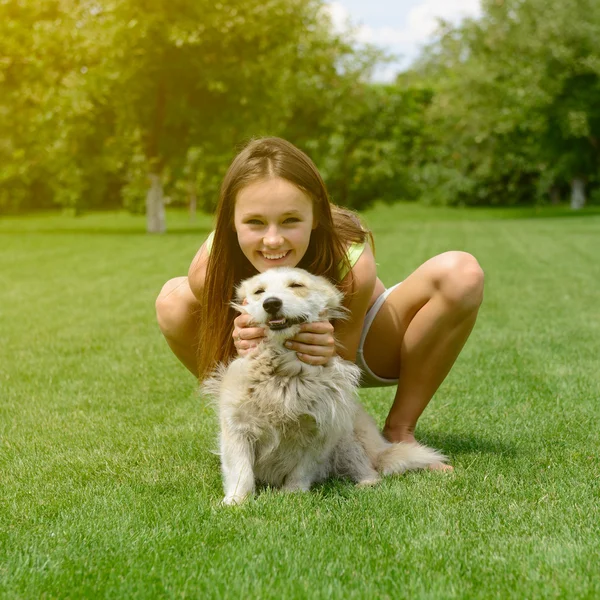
pixel 272 238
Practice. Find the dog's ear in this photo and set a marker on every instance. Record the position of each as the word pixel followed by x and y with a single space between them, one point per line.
pixel 239 307
pixel 334 297
pixel 241 298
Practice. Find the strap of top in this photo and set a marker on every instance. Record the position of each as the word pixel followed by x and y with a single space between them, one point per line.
pixel 209 242
pixel 352 254
pixel 355 249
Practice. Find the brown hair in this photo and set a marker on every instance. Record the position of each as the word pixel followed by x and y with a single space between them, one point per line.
pixel 336 228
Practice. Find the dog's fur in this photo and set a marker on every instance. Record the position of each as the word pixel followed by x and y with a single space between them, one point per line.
pixel 290 424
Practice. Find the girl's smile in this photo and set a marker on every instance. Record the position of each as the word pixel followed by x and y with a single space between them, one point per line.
pixel 273 220
pixel 280 256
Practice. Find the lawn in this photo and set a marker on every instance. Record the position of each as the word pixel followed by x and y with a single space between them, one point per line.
pixel 109 482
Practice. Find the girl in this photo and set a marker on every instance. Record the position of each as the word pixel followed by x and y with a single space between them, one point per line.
pixel 274 211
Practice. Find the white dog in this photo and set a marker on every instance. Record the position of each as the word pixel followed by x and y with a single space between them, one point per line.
pixel 290 424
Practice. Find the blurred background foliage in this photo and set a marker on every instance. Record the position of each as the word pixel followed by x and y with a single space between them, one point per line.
pixel 105 104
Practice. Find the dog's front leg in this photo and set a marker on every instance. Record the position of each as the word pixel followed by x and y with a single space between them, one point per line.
pixel 237 465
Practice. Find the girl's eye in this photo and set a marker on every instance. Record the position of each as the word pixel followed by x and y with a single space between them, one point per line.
pixel 253 222
pixel 296 285
pixel 292 220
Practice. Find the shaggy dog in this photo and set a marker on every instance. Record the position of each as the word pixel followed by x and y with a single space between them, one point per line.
pixel 289 424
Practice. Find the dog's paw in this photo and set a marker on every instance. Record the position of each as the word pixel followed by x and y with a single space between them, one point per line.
pixel 369 482
pixel 232 500
pixel 293 488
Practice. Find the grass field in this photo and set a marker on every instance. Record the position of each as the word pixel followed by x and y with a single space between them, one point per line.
pixel 109 486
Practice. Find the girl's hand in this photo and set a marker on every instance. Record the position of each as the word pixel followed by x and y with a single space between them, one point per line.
pixel 245 335
pixel 314 344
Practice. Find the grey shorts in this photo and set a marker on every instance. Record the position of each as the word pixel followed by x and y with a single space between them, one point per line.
pixel 369 379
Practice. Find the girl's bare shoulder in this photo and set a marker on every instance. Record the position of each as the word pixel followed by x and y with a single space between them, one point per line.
pixel 197 271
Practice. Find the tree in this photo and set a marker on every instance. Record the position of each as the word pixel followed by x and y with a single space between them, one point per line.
pixel 114 96
pixel 369 154
pixel 514 110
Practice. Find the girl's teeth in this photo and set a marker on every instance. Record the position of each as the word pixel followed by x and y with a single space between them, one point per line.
pixel 274 256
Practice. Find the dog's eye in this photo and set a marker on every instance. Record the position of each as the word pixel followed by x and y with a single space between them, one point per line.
pixel 259 291
pixel 296 285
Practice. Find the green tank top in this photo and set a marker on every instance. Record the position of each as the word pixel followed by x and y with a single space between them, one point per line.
pixel 355 249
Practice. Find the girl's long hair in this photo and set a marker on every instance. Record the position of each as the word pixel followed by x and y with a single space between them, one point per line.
pixel 227 266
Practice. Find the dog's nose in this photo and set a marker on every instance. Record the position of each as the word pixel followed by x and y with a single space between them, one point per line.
pixel 272 305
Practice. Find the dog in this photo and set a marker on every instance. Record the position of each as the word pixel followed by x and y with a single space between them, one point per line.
pixel 290 424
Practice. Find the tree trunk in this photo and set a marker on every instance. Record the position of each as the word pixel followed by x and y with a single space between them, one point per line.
pixel 555 195
pixel 155 208
pixel 577 193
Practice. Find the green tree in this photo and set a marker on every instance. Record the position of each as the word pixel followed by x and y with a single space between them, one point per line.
pixel 115 99
pixel 370 150
pixel 514 114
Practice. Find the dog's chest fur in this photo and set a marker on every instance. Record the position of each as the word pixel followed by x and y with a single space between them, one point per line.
pixel 283 393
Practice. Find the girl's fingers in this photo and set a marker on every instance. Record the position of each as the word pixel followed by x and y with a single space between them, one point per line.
pixel 244 346
pixel 313 360
pixel 311 349
pixel 315 339
pixel 245 338
pixel 317 327
pixel 250 333
pixel 314 343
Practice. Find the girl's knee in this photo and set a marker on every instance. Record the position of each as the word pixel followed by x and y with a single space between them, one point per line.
pixel 460 280
pixel 174 305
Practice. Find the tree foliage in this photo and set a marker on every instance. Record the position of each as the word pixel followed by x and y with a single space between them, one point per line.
pixel 372 143
pixel 515 111
pixel 108 94
pixel 107 103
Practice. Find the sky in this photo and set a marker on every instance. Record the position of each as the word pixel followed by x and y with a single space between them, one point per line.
pixel 399 26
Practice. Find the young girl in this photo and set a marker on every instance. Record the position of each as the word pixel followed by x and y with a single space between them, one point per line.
pixel 274 211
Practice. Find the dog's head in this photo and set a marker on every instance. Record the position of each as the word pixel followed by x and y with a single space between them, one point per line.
pixel 281 299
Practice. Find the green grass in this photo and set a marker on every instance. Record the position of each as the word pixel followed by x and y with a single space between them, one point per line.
pixel 108 483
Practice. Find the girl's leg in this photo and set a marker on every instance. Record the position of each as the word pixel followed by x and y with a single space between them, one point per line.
pixel 419 332
pixel 176 310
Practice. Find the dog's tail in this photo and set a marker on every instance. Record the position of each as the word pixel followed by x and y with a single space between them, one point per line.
pixel 403 456
pixel 390 458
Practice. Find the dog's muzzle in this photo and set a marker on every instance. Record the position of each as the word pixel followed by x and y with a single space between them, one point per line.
pixel 278 322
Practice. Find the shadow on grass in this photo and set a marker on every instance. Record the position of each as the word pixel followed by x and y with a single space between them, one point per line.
pixel 333 487
pixel 456 444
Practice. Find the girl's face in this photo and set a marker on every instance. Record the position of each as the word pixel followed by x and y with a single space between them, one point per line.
pixel 273 220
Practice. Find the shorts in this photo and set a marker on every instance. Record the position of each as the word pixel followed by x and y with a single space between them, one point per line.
pixel 369 379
